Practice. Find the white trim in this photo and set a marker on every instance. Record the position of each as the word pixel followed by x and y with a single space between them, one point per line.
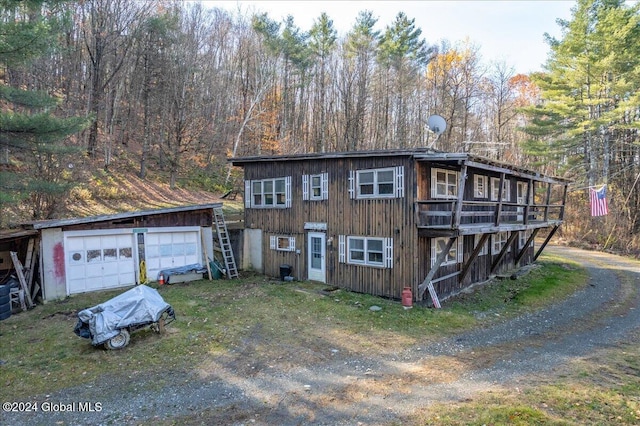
pixel 482 180
pixel 399 174
pixel 287 191
pixel 274 239
pixel 386 250
pixel 375 183
pixel 447 186
pixel 325 186
pixel 456 246
pixel 247 194
pixel 388 253
pixel 342 256
pixel 352 184
pixel 305 187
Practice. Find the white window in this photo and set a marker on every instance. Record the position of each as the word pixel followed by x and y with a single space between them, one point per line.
pixel 367 251
pixel 315 187
pixel 523 236
pixel 499 240
pixel 454 255
pixel 444 183
pixel 267 193
pixel 495 189
pixel 377 183
pixel 281 243
pixel 484 250
pixel 480 186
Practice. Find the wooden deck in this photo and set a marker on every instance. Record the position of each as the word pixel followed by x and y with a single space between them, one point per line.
pixel 437 218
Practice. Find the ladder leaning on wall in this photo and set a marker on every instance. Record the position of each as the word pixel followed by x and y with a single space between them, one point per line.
pixel 225 243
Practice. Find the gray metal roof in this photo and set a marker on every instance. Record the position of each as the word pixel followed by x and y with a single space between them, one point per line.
pixel 419 154
pixel 55 223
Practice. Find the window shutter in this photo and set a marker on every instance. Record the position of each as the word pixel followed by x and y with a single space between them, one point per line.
pixel 434 251
pixel 388 252
pixel 460 249
pixel 287 190
pixel 292 243
pixel 247 194
pixel 273 242
pixel 342 255
pixel 305 187
pixel 400 182
pixel 352 184
pixel 325 186
pixel 433 185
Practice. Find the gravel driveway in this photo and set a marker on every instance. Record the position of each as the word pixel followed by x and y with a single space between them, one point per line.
pixel 369 388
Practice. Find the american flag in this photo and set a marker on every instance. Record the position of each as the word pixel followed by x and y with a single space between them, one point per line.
pixel 598 199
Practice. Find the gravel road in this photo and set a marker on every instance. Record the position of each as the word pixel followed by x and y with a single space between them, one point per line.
pixel 369 388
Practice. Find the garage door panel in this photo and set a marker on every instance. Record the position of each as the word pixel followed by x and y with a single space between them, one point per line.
pixel 97 262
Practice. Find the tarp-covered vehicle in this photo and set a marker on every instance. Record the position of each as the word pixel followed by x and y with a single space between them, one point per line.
pixel 110 323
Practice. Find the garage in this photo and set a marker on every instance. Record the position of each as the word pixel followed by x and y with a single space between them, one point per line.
pixel 93 253
pixel 98 262
pixel 165 249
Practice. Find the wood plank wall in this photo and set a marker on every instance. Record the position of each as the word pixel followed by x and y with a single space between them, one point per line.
pixel 384 218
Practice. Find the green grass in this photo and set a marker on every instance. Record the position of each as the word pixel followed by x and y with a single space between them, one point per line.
pixel 266 319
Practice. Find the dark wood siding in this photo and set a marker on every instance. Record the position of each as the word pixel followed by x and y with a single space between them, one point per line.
pixel 380 217
pixel 202 217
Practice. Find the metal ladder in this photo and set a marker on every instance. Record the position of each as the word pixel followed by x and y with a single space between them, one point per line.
pixel 225 243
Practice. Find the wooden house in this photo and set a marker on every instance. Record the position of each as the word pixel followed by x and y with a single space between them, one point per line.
pixel 379 221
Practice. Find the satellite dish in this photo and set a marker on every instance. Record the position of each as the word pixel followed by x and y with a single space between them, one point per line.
pixel 437 124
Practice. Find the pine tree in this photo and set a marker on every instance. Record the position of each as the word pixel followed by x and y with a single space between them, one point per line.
pixel 35 157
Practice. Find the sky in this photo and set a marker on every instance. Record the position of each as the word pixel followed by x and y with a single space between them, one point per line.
pixel 509 31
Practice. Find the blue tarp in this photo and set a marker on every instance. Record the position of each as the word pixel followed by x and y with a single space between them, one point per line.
pixel 187 269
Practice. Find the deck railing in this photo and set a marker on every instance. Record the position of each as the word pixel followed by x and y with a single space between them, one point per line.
pixel 443 213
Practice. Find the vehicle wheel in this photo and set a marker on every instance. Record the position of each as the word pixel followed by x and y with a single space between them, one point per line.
pixel 5 299
pixel 119 341
pixel 161 326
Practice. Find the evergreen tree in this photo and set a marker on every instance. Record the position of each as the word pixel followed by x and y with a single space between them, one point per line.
pixel 32 138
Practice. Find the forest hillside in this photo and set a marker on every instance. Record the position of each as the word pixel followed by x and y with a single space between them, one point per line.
pixel 104 103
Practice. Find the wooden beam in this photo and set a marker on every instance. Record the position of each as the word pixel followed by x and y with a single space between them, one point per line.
pixel 423 287
pixel 564 201
pixel 496 262
pixel 526 245
pixel 547 202
pixel 496 221
pixel 467 266
pixel 461 181
pixel 23 283
pixel 546 241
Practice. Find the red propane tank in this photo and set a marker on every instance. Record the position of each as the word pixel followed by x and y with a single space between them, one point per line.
pixel 407 297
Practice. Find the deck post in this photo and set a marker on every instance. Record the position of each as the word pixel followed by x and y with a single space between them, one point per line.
pixel 546 241
pixel 458 212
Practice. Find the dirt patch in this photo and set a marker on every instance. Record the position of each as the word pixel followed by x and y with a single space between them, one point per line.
pixel 331 377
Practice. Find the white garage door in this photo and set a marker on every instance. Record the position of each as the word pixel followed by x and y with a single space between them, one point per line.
pixel 165 250
pixel 98 262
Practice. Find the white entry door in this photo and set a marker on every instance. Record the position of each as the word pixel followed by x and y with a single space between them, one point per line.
pixel 316 259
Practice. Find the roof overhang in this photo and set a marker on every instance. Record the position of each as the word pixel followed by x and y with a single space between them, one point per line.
pixel 56 223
